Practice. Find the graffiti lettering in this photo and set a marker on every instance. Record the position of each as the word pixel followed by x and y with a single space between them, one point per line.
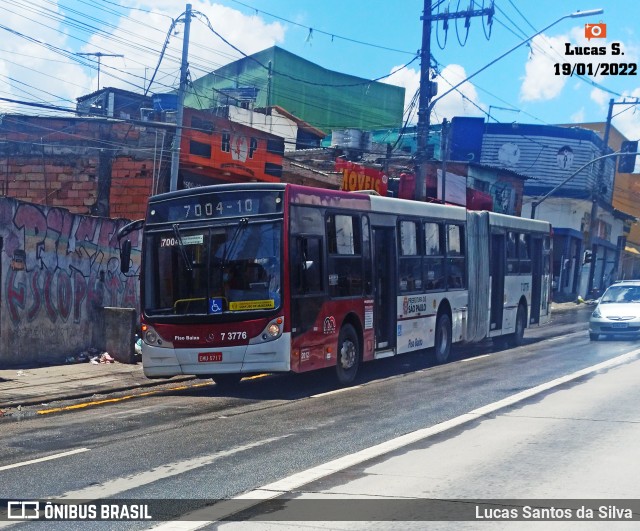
pixel 16 296
pixel 71 265
pixel 36 296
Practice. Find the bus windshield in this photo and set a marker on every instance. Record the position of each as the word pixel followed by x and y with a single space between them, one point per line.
pixel 213 270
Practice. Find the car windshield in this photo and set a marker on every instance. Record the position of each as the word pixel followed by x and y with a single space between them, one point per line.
pixel 621 294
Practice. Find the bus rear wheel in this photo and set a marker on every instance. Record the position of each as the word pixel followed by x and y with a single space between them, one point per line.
pixel 348 355
pixel 521 324
pixel 517 338
pixel 442 344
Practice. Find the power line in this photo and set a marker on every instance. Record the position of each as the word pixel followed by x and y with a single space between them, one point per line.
pixel 100 55
pixel 328 34
pixel 208 23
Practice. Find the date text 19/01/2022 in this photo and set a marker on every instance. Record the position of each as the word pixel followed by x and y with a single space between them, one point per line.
pixel 608 68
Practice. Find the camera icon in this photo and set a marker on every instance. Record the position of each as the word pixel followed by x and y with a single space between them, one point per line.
pixel 595 31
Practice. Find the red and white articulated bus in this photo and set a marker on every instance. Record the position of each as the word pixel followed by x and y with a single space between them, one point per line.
pixel 242 279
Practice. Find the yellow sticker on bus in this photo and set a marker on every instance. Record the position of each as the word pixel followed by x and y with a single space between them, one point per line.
pixel 252 305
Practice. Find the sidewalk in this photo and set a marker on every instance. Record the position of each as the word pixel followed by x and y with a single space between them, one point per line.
pixel 569 443
pixel 27 387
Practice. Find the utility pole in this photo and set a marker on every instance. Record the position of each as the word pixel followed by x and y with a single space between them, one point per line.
pixel 596 192
pixel 426 86
pixel 100 55
pixel 444 149
pixel 423 103
pixel 184 68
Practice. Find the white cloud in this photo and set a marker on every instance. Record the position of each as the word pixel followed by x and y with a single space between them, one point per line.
pixel 410 80
pixel 463 101
pixel 138 36
pixel 599 96
pixel 30 71
pixel 147 31
pixel 540 82
pixel 578 116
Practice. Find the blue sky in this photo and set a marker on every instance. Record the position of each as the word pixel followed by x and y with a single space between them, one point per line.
pixel 367 38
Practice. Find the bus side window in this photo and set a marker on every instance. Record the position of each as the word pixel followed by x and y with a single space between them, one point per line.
pixel 434 256
pixel 306 270
pixel 456 277
pixel 512 254
pixel 366 256
pixel 410 259
pixel 345 268
pixel 524 253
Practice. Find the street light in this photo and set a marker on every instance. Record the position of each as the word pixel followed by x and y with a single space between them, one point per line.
pixel 576 14
pixel 421 174
pixel 534 204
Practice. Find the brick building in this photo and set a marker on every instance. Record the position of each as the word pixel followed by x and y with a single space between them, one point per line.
pixel 90 166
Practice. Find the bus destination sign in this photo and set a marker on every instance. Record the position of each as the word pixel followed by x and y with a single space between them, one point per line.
pixel 215 205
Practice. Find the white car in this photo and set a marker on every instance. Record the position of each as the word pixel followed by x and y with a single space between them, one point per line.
pixel 617 312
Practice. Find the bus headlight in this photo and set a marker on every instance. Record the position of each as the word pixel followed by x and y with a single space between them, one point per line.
pixel 151 337
pixel 272 331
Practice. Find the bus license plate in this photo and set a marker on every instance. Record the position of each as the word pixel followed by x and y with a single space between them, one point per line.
pixel 208 357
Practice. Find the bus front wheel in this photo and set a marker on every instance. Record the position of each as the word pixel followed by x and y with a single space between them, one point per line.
pixel 348 355
pixel 442 344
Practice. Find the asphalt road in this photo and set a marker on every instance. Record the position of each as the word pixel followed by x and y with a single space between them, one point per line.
pixel 205 444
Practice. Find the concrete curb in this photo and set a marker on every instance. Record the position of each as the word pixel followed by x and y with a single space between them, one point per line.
pixel 572 307
pixel 35 401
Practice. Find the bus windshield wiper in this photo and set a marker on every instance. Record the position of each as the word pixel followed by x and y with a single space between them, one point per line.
pixel 183 251
pixel 233 242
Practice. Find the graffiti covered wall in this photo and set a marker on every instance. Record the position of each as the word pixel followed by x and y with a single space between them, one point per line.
pixel 57 269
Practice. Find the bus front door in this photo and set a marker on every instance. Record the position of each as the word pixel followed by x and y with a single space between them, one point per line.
pixel 384 287
pixel 497 267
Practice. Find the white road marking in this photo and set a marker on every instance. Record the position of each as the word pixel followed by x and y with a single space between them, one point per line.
pixel 336 391
pixel 227 508
pixel 476 358
pixel 116 486
pixel 566 336
pixel 41 459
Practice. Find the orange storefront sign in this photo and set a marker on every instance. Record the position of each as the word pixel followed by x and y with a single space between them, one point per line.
pixel 357 177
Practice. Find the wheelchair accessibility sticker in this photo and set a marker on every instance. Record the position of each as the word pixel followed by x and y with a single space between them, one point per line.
pixel 215 305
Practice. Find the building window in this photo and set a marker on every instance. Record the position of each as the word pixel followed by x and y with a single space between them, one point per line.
pixel 226 142
pixel 253 146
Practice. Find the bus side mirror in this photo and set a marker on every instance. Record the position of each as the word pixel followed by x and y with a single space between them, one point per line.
pixel 125 256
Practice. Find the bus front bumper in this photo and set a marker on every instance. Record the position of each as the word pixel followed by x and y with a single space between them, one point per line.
pixel 270 356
